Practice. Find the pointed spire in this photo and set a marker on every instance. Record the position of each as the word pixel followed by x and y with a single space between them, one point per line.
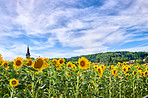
pixel 28 53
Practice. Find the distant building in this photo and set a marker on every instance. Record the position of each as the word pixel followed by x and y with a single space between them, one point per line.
pixel 28 53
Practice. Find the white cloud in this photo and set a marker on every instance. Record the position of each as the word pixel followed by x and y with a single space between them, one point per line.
pixel 89 29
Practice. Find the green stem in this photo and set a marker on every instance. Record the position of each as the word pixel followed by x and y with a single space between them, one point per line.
pixel 33 86
pixel 110 87
pixel 77 86
pixel 12 92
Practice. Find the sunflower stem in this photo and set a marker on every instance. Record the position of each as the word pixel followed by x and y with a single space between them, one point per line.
pixel 77 86
pixel 12 92
pixel 110 87
pixel 33 86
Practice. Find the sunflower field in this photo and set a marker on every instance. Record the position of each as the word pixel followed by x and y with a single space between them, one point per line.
pixel 44 78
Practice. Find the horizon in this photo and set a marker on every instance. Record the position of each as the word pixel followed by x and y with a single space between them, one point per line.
pixel 58 29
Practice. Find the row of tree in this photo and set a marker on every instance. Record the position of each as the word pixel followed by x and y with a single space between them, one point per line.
pixel 115 57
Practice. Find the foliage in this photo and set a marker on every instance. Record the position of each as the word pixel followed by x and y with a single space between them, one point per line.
pixel 120 56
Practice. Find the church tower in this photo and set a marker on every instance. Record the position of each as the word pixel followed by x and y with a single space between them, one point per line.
pixel 28 53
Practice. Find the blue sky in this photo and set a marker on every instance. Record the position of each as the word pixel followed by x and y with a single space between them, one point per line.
pixel 59 28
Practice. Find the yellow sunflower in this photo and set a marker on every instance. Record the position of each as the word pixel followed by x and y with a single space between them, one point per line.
pixel 142 74
pixel 134 73
pixel 114 72
pixel 46 59
pixel 127 75
pixel 61 61
pixel 59 67
pixel 146 73
pixel 29 62
pixel 18 63
pixel 38 63
pixel 100 71
pixel 68 74
pixel 93 83
pixel 55 62
pixel 110 67
pixel 69 64
pixel 14 82
pixel 83 63
pixel 5 64
pixel 74 66
pixel 45 65
pixel 120 64
pixel 103 67
pixel 124 63
pixel 124 69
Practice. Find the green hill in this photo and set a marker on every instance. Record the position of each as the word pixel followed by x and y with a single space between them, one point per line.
pixel 119 56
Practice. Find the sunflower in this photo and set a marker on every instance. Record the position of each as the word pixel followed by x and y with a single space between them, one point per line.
pixel 55 96
pixel 142 74
pixel 61 61
pixel 100 71
pixel 69 64
pixel 74 66
pixel 5 64
pixel 124 69
pixel 124 63
pixel 59 67
pixel 46 59
pixel 127 75
pixel 45 65
pixel 93 83
pixel 110 67
pixel 29 62
pixel 128 67
pixel 38 63
pixel 18 63
pixel 134 73
pixel 114 72
pixel 140 69
pixel 83 63
pixel 14 82
pixel 30 86
pixel 103 67
pixel 120 64
pixel 68 74
pixel 146 73
pixel 55 62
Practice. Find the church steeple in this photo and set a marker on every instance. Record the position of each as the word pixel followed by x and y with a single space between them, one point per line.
pixel 28 53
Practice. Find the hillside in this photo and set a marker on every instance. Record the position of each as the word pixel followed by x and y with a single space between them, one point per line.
pixel 119 56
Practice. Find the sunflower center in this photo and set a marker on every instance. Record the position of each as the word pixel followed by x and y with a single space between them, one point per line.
pixel 99 70
pixel 29 63
pixel 110 67
pixel 54 62
pixel 82 63
pixel 114 71
pixel 146 73
pixel 18 62
pixel 13 82
pixel 124 69
pixel 38 63
pixel 61 61
pixel 69 65
pixel 5 65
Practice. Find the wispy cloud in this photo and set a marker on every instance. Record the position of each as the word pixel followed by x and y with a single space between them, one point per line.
pixel 71 28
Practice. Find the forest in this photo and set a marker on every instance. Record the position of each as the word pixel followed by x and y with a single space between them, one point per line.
pixel 115 57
